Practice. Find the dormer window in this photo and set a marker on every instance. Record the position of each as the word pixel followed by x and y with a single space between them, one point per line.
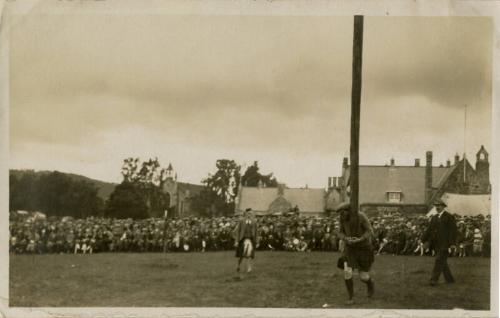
pixel 394 196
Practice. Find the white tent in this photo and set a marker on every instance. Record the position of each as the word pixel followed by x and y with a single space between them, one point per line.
pixel 466 204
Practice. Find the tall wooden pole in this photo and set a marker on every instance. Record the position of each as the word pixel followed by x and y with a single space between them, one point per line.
pixel 357 59
pixel 465 142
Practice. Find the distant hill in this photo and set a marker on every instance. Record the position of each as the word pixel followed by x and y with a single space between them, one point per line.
pixel 105 188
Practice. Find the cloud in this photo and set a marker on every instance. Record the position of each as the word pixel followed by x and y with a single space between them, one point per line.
pixel 448 60
pixel 95 89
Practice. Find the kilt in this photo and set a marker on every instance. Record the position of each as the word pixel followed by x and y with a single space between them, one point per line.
pixel 359 257
pixel 240 247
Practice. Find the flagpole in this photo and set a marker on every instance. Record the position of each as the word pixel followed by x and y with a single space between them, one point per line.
pixel 465 129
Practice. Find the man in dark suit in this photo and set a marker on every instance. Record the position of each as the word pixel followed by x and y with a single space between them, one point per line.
pixel 442 233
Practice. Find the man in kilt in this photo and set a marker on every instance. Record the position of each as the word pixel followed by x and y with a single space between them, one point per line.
pixel 357 234
pixel 245 229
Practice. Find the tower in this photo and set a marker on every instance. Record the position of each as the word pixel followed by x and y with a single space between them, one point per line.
pixel 170 186
pixel 428 176
pixel 483 170
pixel 171 173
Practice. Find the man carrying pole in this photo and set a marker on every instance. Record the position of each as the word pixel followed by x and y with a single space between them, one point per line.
pixel 355 228
pixel 358 251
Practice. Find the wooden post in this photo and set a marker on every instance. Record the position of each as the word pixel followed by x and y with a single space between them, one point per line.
pixel 357 59
pixel 165 226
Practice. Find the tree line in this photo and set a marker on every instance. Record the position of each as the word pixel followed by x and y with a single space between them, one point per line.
pixel 141 193
pixel 53 193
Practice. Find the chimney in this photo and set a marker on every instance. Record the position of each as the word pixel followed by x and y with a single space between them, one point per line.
pixel 330 182
pixel 392 162
pixel 448 163
pixel 345 163
pixel 417 162
pixel 428 176
pixel 457 158
pixel 281 189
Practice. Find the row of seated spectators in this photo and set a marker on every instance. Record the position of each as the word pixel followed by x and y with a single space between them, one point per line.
pixel 393 234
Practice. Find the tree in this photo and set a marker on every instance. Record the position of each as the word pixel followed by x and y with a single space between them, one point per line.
pixel 23 194
pixel 53 196
pixel 127 201
pixel 206 203
pixel 60 195
pixel 84 200
pixel 252 176
pixel 224 183
pixel 144 179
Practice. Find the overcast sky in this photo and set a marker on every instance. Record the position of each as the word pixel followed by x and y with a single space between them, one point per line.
pixel 89 91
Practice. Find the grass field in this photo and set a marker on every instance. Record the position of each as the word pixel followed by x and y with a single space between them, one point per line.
pixel 279 279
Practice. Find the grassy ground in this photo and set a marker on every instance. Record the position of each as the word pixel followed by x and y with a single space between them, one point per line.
pixel 279 279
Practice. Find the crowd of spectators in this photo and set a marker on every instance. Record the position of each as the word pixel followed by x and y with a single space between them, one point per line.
pixel 393 234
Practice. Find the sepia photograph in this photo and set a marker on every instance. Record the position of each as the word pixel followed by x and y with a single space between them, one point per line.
pixel 221 160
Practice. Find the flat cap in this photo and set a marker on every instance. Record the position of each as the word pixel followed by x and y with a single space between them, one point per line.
pixel 439 202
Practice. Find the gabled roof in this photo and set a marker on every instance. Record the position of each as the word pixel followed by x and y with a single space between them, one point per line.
pixel 307 200
pixel 440 186
pixel 259 199
pixel 376 181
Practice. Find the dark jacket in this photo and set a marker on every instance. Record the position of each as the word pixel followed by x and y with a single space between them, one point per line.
pixel 362 229
pixel 442 231
pixel 239 231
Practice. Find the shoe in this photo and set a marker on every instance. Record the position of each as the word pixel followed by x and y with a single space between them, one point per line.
pixel 370 289
pixel 349 302
pixel 433 283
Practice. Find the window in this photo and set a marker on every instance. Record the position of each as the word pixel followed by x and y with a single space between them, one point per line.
pixel 394 197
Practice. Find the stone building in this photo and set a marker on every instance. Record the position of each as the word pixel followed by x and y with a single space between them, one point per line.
pixel 414 188
pixel 281 200
pixel 180 194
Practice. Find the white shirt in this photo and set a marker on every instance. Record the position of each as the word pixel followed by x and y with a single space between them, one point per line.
pixel 441 213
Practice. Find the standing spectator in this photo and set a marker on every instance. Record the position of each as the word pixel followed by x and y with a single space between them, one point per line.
pixel 487 241
pixel 469 239
pixel 327 238
pixel 442 231
pixel 478 242
pixel 461 231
